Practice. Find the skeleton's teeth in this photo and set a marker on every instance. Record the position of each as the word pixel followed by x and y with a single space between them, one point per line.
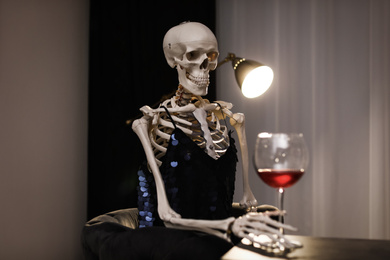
pixel 201 81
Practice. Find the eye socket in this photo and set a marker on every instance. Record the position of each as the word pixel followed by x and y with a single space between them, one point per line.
pixel 193 55
pixel 212 56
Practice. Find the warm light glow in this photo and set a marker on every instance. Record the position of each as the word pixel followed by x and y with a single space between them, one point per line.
pixel 257 81
pixel 264 135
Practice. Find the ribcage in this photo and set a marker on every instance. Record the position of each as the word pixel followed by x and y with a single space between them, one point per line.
pixel 161 131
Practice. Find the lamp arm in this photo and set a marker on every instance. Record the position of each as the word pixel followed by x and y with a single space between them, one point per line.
pixel 229 57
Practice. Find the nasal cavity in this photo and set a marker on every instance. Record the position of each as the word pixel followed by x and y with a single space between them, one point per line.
pixel 205 64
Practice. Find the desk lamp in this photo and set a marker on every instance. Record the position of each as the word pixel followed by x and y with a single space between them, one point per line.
pixel 253 78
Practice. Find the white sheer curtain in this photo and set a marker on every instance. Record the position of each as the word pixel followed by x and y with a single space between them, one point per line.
pixel 331 61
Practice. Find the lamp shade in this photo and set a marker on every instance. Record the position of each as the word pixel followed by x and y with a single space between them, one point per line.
pixel 252 77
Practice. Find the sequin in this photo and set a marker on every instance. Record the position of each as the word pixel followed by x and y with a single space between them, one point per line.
pixel 187 156
pixel 174 190
pixel 196 185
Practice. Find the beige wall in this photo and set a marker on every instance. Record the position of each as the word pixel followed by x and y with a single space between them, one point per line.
pixel 43 127
pixel 331 61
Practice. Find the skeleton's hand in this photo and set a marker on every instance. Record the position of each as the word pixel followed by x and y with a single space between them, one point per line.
pixel 260 228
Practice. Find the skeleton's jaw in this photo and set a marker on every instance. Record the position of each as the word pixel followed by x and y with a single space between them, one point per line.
pixel 202 82
pixel 195 85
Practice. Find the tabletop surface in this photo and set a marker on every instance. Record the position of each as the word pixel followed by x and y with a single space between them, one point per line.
pixel 319 248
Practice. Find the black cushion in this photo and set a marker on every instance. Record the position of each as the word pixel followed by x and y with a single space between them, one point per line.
pixel 114 236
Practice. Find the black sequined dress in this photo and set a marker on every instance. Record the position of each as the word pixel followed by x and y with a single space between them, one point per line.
pixel 197 186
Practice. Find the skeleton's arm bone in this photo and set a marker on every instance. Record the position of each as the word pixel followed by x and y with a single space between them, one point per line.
pixel 213 227
pixel 237 120
pixel 140 127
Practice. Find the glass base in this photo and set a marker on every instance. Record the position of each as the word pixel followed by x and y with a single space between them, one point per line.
pixel 274 246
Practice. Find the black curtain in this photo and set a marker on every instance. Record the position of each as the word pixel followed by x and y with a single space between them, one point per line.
pixel 128 70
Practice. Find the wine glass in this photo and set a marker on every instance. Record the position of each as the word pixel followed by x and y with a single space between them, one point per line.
pixel 280 160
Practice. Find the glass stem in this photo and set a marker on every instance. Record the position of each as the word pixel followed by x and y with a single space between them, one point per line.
pixel 281 207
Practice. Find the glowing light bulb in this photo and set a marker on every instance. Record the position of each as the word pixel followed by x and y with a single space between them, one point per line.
pixel 257 81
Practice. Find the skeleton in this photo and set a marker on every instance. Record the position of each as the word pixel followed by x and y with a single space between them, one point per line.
pixel 192 49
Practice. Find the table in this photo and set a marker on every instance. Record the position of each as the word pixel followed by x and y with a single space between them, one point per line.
pixel 320 248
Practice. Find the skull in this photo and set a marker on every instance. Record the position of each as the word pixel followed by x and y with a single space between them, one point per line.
pixel 193 49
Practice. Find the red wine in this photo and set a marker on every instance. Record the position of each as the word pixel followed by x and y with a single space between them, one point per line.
pixel 280 178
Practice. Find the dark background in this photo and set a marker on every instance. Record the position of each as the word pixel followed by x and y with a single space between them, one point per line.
pixel 128 70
